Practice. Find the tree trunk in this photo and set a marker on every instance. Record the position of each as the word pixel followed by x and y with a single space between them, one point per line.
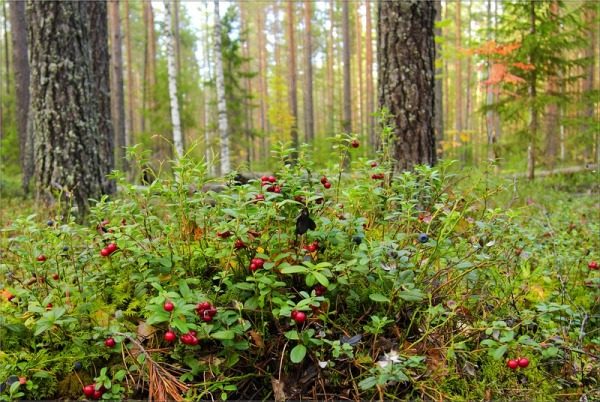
pixel 359 73
pixel 208 123
pixel 406 55
pixel 533 126
pixel 130 96
pixel 369 78
pixel 491 117
pixel 552 110
pixel 149 67
pixel 263 83
pixel 221 103
pixel 177 37
pixel 172 78
pixel 588 81
pixel 439 107
pixel 116 83
pixel 292 74
pixel 18 26
pixel 309 124
pixel 6 49
pixel 458 106
pixel 330 76
pixel 69 96
pixel 347 111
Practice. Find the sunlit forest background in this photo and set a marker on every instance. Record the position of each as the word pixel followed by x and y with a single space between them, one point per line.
pixel 483 68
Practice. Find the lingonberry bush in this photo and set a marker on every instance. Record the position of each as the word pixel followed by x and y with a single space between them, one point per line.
pixel 410 285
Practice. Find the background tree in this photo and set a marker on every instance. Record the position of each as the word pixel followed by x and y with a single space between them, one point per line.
pixel 225 164
pixel 116 83
pixel 65 108
pixel 309 125
pixel 291 26
pixel 172 77
pixel 406 55
pixel 347 114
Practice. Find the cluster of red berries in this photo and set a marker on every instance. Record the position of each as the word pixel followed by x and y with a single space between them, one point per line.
pixel 514 364
pixel 325 182
pixel 41 258
pixel 377 176
pixel 206 311
pixel 256 263
pixel 270 181
pixel 593 265
pixel 312 247
pixel 91 392
pixel 190 338
pixel 108 250
pixel 298 316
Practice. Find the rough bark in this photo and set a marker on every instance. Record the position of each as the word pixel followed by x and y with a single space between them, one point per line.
pixel 439 107
pixel 172 77
pixel 406 54
pixel 18 25
pixel 369 78
pixel 291 26
pixel 347 110
pixel 69 96
pixel 309 124
pixel 588 81
pixel 116 83
pixel 458 98
pixel 221 102
pixel 359 93
pixel 533 125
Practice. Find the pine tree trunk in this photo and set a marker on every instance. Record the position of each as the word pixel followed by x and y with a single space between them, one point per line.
pixel 264 85
pixel 458 106
pixel 130 96
pixel 309 125
pixel 330 77
pixel 18 25
pixel 490 116
pixel 347 111
pixel 172 77
pixel 69 97
pixel 221 103
pixel 116 83
pixel 552 110
pixel 208 123
pixel 588 81
pixel 439 107
pixel 533 126
pixel 6 49
pixel 369 78
pixel 292 74
pixel 406 54
pixel 359 73
pixel 149 69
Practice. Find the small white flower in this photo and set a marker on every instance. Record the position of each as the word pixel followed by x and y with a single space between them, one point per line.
pixel 393 356
pixel 323 364
pixel 383 363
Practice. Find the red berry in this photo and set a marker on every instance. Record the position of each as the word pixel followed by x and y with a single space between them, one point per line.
pixel 312 248
pixel 253 267
pixel 41 258
pixel 294 313
pixel 22 380
pixel 104 252
pixel 89 390
pixel 355 143
pixel 327 185
pixel 300 317
pixel 168 306
pixel 259 197
pixel 203 306
pixel 324 180
pixel 170 336
pixel 211 311
pixel 239 244
pixel 373 164
pixel 512 364
pixel 55 277
pixel 186 339
pixel 277 189
pixel 264 178
pixel 97 394
pixel 112 247
pixel 320 290
pixel 593 265
pixel 206 317
pixel 271 179
pixel 523 362
pixel 49 306
pixel 224 235
pixel 110 343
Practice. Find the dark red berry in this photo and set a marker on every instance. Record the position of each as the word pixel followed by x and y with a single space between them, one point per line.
pixel 327 185
pixel 112 247
pixel 41 258
pixel 300 317
pixel 253 267
pixel 110 343
pixel 312 248
pixel 203 306
pixel 324 180
pixel 49 306
pixel 373 164
pixel 239 244
pixel 320 290
pixel 355 144
pixel 97 394
pixel 272 179
pixel 55 277
pixel 259 197
pixel 224 235
pixel 294 313
pixel 104 252
pixel 523 362
pixel 264 178
pixel 512 364
pixel 593 265
pixel 88 390
pixel 170 336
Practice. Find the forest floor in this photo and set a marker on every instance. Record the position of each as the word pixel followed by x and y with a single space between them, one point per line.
pixel 438 285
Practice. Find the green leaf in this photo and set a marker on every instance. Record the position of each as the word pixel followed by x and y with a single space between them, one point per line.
pixel 379 298
pixel 498 353
pixel 368 383
pixel 413 295
pixel 322 279
pixel 227 334
pixel 294 269
pixel 297 354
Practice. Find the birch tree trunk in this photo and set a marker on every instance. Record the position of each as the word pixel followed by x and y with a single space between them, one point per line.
pixel 221 102
pixel 172 77
pixel 18 25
